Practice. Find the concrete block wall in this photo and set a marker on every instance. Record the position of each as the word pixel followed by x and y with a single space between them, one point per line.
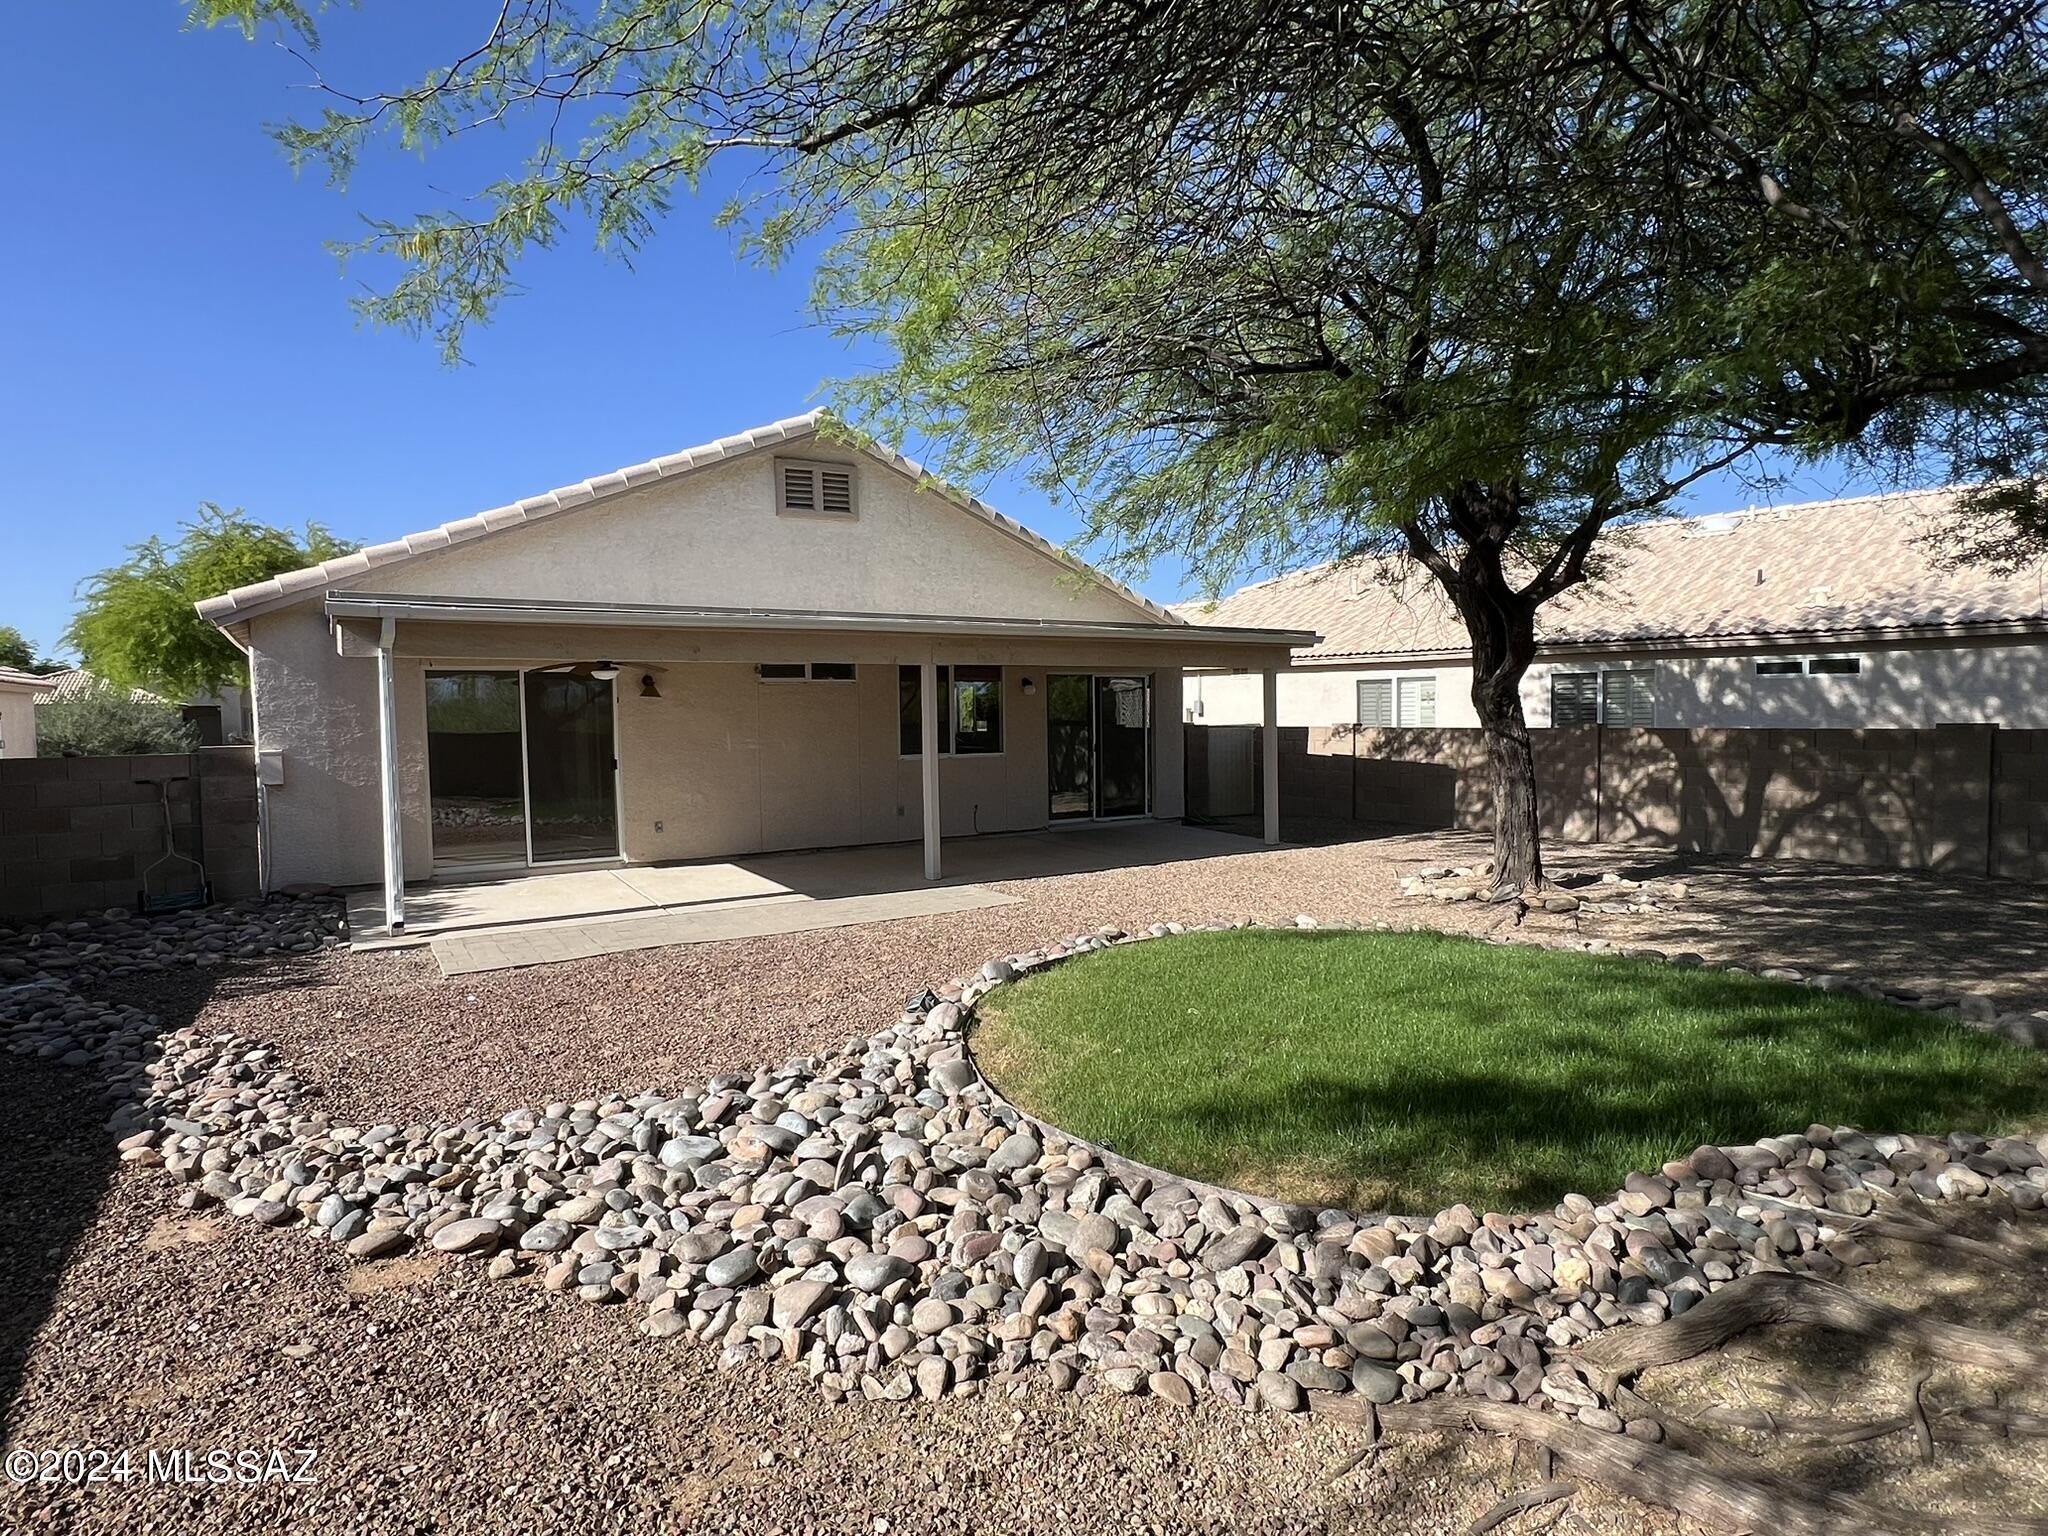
pixel 76 833
pixel 1968 799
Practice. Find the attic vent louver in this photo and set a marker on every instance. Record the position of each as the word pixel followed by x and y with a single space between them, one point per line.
pixel 810 488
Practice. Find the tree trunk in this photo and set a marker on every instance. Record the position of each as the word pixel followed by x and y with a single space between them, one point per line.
pixel 1503 645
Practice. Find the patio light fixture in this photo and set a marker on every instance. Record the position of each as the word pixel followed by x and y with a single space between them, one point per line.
pixel 647 688
pixel 1029 687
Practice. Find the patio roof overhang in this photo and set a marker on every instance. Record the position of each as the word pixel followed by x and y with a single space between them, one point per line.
pixel 376 607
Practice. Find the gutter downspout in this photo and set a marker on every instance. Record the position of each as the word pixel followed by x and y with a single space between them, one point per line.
pixel 387 775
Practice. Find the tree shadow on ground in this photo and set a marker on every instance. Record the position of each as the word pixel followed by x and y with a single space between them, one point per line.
pixel 57 1157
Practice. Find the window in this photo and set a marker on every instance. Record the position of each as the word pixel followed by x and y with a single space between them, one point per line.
pixel 1376 701
pixel 1625 699
pixel 970 714
pixel 1575 698
pixel 1818 666
pixel 804 671
pixel 808 488
pixel 1415 700
pixel 1617 696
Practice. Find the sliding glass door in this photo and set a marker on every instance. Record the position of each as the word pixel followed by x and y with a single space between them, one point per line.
pixel 476 795
pixel 571 767
pixel 1098 746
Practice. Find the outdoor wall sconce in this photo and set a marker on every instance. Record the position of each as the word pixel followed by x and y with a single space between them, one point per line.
pixel 647 688
pixel 1029 687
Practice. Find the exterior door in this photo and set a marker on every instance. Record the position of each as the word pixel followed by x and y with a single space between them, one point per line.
pixel 1070 745
pixel 1123 746
pixel 476 789
pixel 571 767
pixel 1098 746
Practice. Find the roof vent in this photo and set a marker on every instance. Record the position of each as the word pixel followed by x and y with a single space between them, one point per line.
pixel 1717 522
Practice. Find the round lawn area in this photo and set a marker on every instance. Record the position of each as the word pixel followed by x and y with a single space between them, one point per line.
pixel 1405 1072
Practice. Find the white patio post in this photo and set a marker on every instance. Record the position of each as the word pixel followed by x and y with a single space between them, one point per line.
pixel 387 776
pixel 1269 752
pixel 928 762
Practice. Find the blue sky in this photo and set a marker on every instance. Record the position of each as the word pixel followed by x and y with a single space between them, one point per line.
pixel 177 333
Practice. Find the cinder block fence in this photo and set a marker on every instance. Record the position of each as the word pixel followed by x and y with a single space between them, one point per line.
pixel 1966 799
pixel 76 833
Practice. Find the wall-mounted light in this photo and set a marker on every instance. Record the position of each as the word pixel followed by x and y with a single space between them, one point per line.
pixel 1029 687
pixel 647 688
pixel 605 671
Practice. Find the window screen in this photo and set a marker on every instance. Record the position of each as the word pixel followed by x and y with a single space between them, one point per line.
pixel 1780 666
pixel 779 671
pixel 977 714
pixel 831 671
pixel 1376 701
pixel 1840 666
pixel 1415 700
pixel 1574 698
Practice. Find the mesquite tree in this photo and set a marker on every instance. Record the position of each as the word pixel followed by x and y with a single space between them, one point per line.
pixel 1474 281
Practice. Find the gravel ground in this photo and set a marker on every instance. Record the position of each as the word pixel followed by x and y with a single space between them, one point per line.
pixel 438 1401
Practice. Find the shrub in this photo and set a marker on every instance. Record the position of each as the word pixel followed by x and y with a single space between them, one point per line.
pixel 107 722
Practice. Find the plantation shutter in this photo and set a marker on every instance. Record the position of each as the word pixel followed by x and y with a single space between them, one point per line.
pixel 1417 700
pixel 1626 699
pixel 1575 698
pixel 1376 701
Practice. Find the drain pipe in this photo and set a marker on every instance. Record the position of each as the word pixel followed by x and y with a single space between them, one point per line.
pixel 387 742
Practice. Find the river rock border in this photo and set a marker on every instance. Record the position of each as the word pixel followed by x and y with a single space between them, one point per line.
pixel 882 1218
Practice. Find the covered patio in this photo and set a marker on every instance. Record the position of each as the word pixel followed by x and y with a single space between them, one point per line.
pixel 539 918
pixel 692 734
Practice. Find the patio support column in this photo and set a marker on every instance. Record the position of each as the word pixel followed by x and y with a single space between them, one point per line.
pixel 387 778
pixel 1269 752
pixel 928 761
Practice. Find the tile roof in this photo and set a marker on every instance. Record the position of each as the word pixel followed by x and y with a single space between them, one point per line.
pixel 262 596
pixel 1816 569
pixel 21 679
pixel 77 682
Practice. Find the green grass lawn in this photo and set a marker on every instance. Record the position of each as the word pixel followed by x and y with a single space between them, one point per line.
pixel 1406 1071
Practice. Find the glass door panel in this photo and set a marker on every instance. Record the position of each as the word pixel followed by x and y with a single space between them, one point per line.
pixel 1070 747
pixel 476 800
pixel 570 767
pixel 1123 745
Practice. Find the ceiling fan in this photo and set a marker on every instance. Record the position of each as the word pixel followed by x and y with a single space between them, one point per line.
pixel 603 671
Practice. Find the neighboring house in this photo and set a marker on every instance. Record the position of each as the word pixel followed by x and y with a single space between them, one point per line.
pixel 20 692
pixel 772 641
pixel 1824 614
pixel 221 717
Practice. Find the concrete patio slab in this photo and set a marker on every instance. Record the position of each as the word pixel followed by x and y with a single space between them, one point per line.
pixel 526 918
pixel 497 949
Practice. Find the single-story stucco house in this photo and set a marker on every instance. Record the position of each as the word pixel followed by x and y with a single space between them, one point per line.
pixel 778 640
pixel 19 693
pixel 1827 614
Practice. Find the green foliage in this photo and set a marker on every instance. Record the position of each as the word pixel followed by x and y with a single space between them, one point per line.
pixel 110 722
pixel 16 651
pixel 136 626
pixel 1405 1071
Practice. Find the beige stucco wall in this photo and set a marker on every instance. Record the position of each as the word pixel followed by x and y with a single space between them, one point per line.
pixel 17 720
pixel 1900 686
pixel 725 763
pixel 713 538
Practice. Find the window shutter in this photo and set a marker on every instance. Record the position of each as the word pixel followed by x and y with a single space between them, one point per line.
pixel 1376 702
pixel 1574 698
pixel 1626 699
pixel 835 492
pixel 1418 700
pixel 799 488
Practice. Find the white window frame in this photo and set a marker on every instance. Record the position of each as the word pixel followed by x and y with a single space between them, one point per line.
pixel 1399 683
pixel 1402 686
pixel 1803 666
pixel 818 475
